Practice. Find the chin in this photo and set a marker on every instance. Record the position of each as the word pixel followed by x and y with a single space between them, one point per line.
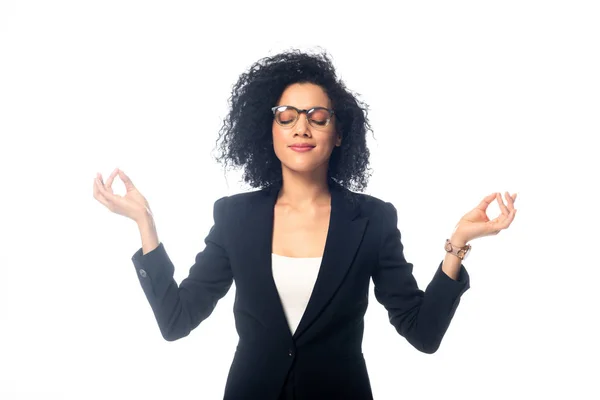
pixel 303 167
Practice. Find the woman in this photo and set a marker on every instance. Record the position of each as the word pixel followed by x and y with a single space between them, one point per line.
pixel 303 248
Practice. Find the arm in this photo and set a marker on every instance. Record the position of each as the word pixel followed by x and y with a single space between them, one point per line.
pixel 421 317
pixel 452 264
pixel 180 309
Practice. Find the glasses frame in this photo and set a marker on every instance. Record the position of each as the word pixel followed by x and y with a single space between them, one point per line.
pixel 299 111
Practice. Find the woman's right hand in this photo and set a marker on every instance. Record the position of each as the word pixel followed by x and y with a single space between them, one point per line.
pixel 133 205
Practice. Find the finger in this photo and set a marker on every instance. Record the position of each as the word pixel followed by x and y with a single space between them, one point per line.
pixel 511 218
pixel 108 195
pixel 98 193
pixel 126 180
pixel 511 198
pixel 505 223
pixel 509 201
pixel 487 200
pixel 98 186
pixel 100 180
pixel 110 180
pixel 505 211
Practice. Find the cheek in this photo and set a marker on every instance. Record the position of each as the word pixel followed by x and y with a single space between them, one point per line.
pixel 277 134
pixel 331 140
pixel 279 142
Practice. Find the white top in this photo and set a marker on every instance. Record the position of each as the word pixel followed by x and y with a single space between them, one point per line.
pixel 295 279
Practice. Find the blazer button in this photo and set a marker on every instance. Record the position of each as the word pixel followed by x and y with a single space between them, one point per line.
pixel 290 352
pixel 143 273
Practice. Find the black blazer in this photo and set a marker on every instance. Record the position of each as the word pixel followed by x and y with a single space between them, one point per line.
pixel 323 359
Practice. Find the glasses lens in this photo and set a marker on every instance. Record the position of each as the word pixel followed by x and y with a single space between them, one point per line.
pixel 320 116
pixel 286 116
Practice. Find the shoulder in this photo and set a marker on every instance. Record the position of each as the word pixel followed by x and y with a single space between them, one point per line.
pixel 239 202
pixel 372 206
pixel 240 198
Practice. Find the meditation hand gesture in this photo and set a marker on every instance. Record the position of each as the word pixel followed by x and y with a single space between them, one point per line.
pixel 476 223
pixel 133 205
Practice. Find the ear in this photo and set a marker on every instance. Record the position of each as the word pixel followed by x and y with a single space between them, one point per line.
pixel 338 141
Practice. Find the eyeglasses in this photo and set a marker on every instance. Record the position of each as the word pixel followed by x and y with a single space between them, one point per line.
pixel 286 116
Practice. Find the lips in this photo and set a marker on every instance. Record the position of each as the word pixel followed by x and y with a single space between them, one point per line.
pixel 300 148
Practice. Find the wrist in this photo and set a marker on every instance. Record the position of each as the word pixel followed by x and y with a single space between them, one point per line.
pixel 145 220
pixel 458 241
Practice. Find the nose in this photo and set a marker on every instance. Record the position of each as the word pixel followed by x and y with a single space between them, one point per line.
pixel 302 125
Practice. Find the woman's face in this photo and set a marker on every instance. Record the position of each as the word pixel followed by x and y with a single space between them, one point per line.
pixel 305 96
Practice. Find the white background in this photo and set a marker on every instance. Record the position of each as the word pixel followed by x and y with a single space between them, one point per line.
pixel 466 98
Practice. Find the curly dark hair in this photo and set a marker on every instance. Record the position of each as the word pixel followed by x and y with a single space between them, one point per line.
pixel 246 134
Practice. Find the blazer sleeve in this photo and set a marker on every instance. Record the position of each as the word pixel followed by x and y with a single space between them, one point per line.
pixel 421 317
pixel 180 309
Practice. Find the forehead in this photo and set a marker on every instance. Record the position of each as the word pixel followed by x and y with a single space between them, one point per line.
pixel 304 96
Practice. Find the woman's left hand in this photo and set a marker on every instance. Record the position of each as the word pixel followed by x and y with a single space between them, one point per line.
pixel 476 223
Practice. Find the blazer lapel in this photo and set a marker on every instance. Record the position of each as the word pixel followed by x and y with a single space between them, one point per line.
pixel 343 238
pixel 256 244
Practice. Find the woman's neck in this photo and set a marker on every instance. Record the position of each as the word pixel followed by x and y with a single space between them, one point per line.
pixel 302 190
